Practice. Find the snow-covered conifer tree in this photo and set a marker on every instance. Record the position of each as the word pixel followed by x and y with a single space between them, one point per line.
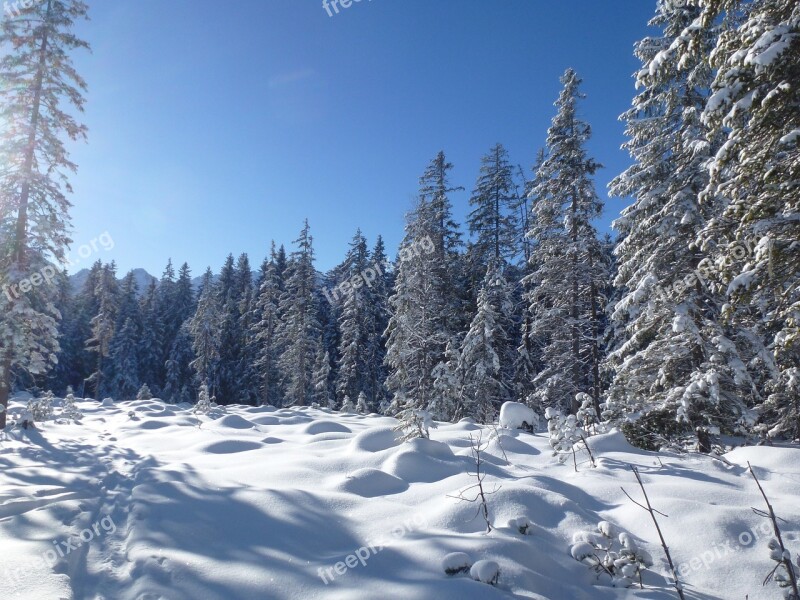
pixel 565 269
pixel 40 94
pixel 299 329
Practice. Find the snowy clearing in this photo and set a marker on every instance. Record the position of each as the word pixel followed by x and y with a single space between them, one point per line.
pixel 300 503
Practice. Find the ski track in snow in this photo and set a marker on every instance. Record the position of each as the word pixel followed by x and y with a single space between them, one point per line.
pixel 262 503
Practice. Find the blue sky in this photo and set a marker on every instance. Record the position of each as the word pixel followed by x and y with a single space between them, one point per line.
pixel 218 126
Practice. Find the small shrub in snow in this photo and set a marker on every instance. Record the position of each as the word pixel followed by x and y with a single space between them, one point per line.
pixel 144 393
pixel 522 525
pixel 347 405
pixel 415 424
pixel 38 410
pixel 69 410
pixel 203 406
pixel 485 571
pixel 361 405
pixel 456 563
pixel 612 555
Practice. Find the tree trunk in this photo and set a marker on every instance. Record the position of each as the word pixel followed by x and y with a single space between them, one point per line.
pixel 21 237
pixel 5 389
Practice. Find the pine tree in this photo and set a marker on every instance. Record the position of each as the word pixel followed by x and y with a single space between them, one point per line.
pixel 565 270
pixel 40 87
pixel 204 328
pixel 493 220
pixel 377 324
pixel 354 323
pixel 123 350
pixel 299 329
pixel 754 176
pixel 179 385
pixel 482 376
pixel 322 379
pixel 673 361
pixel 152 338
pixel 102 326
pixel 264 337
pixel 447 403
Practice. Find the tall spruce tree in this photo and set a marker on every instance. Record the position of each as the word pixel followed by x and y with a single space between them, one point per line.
pixel 264 333
pixel 103 327
pixel 674 365
pixel 755 176
pixel 565 270
pixel 40 87
pixel 299 329
pixel 204 328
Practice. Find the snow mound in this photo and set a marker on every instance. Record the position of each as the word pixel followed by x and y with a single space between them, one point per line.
pixel 231 447
pixel 318 427
pixel 375 440
pixel 514 415
pixel 485 571
pixel 413 465
pixel 456 562
pixel 234 422
pixel 371 483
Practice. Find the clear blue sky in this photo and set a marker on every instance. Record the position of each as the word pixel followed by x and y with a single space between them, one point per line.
pixel 218 126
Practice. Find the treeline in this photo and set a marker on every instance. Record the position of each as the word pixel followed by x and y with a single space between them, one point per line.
pixel 689 322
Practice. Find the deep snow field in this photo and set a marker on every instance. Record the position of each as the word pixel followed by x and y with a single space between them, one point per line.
pixel 262 503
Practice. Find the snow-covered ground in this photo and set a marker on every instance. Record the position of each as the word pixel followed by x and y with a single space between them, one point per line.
pixel 264 503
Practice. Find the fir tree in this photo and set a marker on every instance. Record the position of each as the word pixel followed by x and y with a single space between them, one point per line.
pixel 264 338
pixel 204 328
pixel 40 89
pixel 299 330
pixel 565 269
pixel 102 326
pixel 673 360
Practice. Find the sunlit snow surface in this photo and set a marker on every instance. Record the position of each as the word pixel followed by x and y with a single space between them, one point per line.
pixel 262 503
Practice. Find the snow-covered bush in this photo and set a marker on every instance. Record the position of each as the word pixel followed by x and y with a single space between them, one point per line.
pixel 485 571
pixel 521 525
pixel 783 560
pixel 456 563
pixel 144 393
pixel 564 432
pixel 613 555
pixel 41 409
pixel 415 423
pixel 69 409
pixel 347 405
pixel 514 415
pixel 361 405
pixel 203 406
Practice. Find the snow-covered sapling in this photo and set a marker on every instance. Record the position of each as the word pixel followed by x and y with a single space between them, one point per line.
pixel 415 423
pixel 203 406
pixel 784 573
pixel 347 405
pixel 480 494
pixel 361 404
pixel 144 393
pixel 565 432
pixel 611 553
pixel 649 508
pixel 456 563
pixel 69 409
pixel 38 410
